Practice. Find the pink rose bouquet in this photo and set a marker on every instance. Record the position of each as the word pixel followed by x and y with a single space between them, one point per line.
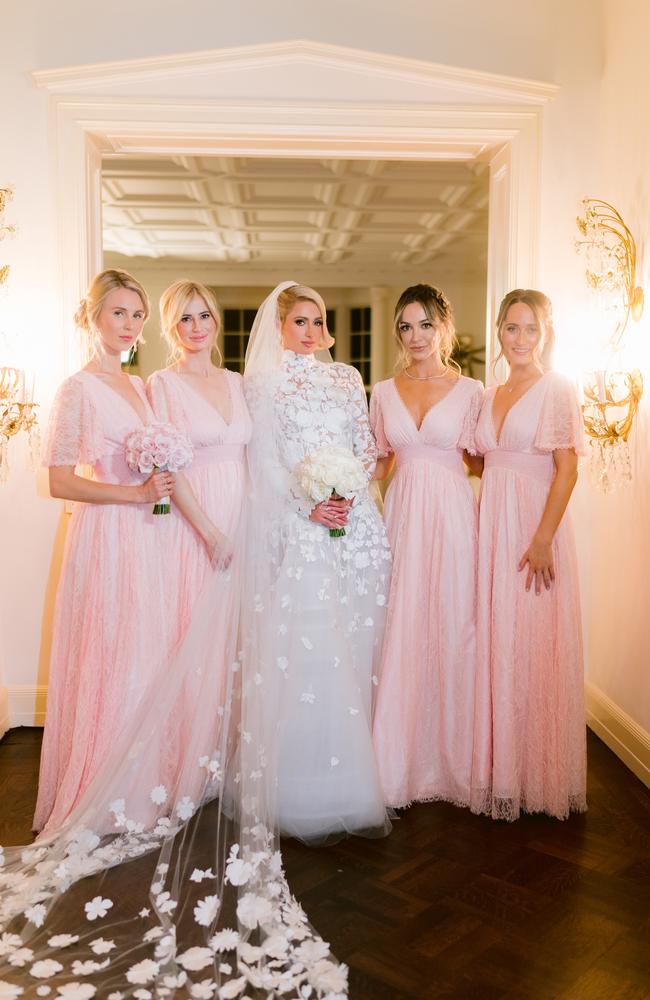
pixel 158 448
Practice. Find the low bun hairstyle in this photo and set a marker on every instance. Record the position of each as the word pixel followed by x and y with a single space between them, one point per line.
pixel 173 303
pixel 102 284
pixel 303 293
pixel 542 309
pixel 438 309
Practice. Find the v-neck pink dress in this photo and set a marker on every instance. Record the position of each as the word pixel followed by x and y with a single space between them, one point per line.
pixel 110 631
pixel 423 720
pixel 217 477
pixel 530 719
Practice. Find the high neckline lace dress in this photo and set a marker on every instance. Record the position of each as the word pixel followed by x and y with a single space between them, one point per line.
pixel 321 604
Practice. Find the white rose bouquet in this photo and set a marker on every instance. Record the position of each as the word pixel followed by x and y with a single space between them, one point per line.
pixel 331 472
pixel 158 448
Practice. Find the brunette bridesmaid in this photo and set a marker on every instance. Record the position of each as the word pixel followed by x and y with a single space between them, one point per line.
pixel 207 403
pixel 424 420
pixel 530 722
pixel 110 598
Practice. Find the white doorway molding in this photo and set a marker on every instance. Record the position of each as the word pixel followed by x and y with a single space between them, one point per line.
pixel 295 99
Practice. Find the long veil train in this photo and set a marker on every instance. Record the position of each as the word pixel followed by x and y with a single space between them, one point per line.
pixel 166 879
pixel 167 876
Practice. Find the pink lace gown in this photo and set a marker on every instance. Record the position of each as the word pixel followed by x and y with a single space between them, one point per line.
pixel 530 721
pixel 110 599
pixel 217 477
pixel 424 711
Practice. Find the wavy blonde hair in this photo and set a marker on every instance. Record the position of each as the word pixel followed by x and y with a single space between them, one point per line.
pixel 303 293
pixel 438 310
pixel 542 309
pixel 173 302
pixel 101 286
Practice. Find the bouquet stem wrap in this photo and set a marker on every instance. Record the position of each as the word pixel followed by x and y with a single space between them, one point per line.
pixel 158 448
pixel 332 472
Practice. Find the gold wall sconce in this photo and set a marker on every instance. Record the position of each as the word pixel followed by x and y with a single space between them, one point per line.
pixel 611 395
pixel 17 413
pixel 17 406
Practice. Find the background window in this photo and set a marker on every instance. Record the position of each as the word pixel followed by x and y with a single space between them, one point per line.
pixel 360 341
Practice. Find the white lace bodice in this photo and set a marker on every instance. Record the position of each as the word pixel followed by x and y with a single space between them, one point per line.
pixel 321 404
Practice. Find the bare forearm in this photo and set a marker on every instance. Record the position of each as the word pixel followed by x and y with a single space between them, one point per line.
pixel 384 467
pixel 65 484
pixel 556 504
pixel 188 505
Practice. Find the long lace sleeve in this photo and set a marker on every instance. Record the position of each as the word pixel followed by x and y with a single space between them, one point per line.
pixel 560 423
pixel 467 439
pixel 377 423
pixel 74 435
pixel 363 442
pixel 164 400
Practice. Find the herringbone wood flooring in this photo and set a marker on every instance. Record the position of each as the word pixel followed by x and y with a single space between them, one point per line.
pixel 456 906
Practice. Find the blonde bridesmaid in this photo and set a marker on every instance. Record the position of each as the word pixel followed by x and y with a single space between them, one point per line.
pixel 530 723
pixel 205 401
pixel 110 595
pixel 423 419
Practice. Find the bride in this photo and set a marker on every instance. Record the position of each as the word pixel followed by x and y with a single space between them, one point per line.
pixel 320 600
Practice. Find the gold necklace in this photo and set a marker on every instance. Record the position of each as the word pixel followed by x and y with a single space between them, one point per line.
pixel 424 378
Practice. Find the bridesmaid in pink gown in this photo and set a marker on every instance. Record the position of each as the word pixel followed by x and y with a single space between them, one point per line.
pixel 530 721
pixel 424 419
pixel 110 599
pixel 207 403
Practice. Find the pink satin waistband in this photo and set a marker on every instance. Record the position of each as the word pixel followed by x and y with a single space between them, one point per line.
pixel 538 466
pixel 449 458
pixel 217 453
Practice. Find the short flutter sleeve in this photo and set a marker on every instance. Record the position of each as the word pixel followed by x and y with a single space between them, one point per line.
pixel 74 434
pixel 165 399
pixel 377 423
pixel 467 439
pixel 560 423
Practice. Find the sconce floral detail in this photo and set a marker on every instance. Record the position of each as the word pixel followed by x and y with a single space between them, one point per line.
pixel 611 393
pixel 6 194
pixel 17 406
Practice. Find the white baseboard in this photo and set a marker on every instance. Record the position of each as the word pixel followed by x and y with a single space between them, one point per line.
pixel 5 720
pixel 25 705
pixel 625 737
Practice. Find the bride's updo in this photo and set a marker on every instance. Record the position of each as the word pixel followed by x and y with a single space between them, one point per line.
pixel 102 285
pixel 303 293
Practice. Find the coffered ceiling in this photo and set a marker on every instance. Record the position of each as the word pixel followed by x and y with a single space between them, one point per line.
pixel 372 219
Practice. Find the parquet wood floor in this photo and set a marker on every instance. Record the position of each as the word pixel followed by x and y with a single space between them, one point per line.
pixel 458 907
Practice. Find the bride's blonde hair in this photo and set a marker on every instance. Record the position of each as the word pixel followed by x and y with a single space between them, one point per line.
pixel 173 302
pixel 303 293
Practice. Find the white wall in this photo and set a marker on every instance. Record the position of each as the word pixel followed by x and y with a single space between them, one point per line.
pixel 619 523
pixel 593 50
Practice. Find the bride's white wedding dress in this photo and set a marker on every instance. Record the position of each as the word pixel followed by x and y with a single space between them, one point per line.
pixel 320 603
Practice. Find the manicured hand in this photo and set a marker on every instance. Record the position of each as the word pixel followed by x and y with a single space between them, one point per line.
pixel 331 513
pixel 157 486
pixel 539 560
